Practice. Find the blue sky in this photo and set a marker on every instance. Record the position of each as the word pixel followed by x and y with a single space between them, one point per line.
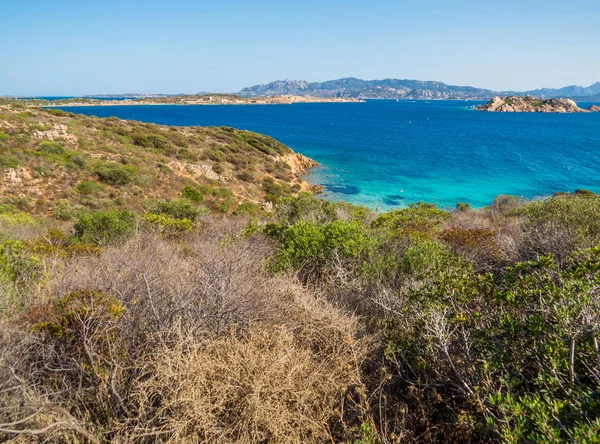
pixel 72 47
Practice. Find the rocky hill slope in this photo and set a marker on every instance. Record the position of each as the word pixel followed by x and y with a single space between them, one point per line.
pixel 528 104
pixel 52 161
pixel 373 89
pixel 571 91
pixel 404 89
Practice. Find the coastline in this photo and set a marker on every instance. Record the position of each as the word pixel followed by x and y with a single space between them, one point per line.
pixel 198 100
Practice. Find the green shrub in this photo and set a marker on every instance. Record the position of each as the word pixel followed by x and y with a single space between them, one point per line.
pixel 155 141
pixel 585 193
pixel 51 148
pixel 186 154
pixel 504 204
pixel 103 227
pixel 168 223
pixel 63 210
pixel 17 265
pixel 7 208
pixel 463 207
pixel 114 173
pixel 75 160
pixel 248 209
pixel 177 209
pixel 274 191
pixel 308 245
pixel 262 143
pixel 192 194
pixel 561 224
pixel 88 188
pixel 4 136
pixel 222 193
pixel 420 217
pixel 7 161
pixel 58 112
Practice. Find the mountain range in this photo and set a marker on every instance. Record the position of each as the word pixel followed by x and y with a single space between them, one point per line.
pixel 406 90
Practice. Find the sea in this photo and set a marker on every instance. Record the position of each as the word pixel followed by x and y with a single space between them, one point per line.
pixel 388 154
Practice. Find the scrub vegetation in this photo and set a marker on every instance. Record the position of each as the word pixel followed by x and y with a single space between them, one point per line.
pixel 167 319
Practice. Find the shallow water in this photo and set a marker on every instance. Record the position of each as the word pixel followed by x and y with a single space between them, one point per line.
pixel 389 154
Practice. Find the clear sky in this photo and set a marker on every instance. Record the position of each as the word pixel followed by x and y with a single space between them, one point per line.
pixel 72 47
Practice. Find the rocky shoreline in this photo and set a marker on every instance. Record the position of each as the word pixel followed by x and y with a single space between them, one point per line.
pixel 529 104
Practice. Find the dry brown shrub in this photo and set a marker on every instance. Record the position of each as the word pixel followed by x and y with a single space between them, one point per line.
pixel 205 285
pixel 273 382
pixel 488 239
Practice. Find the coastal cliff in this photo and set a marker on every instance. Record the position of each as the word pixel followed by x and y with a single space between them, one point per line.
pixel 528 104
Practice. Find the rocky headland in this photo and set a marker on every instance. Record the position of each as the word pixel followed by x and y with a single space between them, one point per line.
pixel 529 104
pixel 50 158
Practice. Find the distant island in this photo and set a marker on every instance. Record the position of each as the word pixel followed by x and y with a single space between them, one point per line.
pixel 529 104
pixel 405 89
pixel 208 99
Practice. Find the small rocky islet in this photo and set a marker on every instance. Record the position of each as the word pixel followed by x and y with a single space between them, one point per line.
pixel 529 104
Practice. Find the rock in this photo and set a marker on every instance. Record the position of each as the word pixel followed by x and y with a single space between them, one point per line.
pixel 184 168
pixel 595 108
pixel 528 104
pixel 59 132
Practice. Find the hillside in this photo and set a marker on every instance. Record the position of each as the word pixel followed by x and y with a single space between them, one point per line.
pixel 51 159
pixel 580 92
pixel 528 104
pixel 372 89
pixel 406 90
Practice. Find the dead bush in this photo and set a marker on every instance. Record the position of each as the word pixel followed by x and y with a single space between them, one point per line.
pixel 269 383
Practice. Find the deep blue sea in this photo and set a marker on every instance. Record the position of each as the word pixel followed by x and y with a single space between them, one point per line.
pixel 389 154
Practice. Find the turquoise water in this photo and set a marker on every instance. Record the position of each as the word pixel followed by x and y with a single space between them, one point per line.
pixel 389 154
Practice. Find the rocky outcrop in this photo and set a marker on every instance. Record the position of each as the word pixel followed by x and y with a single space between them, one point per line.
pixel 59 132
pixel 528 104
pixel 193 170
pixel 595 108
pixel 298 163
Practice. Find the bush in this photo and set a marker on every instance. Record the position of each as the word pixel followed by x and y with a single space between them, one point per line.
pixel 114 173
pixel 88 188
pixel 274 191
pixel 156 141
pixel 167 223
pixel 51 148
pixel 103 227
pixel 177 209
pixel 63 210
pixel 248 209
pixel 186 154
pixel 504 204
pixel 420 217
pixel 7 161
pixel 308 245
pixel 562 224
pixel 192 194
